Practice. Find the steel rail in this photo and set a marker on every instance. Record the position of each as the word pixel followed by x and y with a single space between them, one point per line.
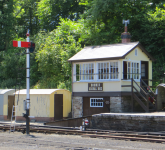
pixel 93 133
pixel 136 138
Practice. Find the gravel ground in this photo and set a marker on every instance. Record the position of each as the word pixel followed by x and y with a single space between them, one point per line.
pixel 38 141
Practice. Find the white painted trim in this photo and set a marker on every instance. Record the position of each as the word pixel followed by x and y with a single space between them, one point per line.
pixel 74 72
pixel 97 102
pixel 132 61
pixel 19 43
pixel 113 80
pixel 95 63
pixel 137 80
pixel 109 68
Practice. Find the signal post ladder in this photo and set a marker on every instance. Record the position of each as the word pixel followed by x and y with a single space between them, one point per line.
pixel 12 125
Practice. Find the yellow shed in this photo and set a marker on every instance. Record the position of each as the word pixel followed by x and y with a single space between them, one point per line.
pixel 6 103
pixel 45 104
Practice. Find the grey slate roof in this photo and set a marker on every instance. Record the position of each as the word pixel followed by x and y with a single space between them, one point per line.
pixel 111 51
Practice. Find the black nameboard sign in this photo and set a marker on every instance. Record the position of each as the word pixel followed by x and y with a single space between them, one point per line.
pixel 95 86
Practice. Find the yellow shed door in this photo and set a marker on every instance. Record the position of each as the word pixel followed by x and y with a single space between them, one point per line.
pixel 58 106
pixel 11 102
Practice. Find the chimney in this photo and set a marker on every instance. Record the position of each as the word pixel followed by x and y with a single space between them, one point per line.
pixel 126 36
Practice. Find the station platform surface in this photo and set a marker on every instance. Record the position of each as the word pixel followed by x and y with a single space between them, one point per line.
pixel 139 114
pixel 149 115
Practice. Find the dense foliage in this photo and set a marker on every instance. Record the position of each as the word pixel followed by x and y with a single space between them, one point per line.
pixel 60 28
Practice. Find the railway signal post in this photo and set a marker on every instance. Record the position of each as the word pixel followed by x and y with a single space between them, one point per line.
pixel 27 84
pixel 28 45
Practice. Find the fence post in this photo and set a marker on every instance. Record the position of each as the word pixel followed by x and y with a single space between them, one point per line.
pixel 132 92
pixel 147 96
pixel 156 102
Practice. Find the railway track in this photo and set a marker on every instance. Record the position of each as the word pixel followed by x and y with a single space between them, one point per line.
pixel 158 137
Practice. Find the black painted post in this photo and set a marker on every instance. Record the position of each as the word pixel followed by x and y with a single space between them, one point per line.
pixel 147 95
pixel 27 121
pixel 156 101
pixel 132 92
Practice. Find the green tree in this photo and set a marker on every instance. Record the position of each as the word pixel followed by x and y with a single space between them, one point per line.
pixel 104 19
pixel 25 14
pixel 154 39
pixel 13 67
pixel 6 23
pixel 55 48
pixel 50 11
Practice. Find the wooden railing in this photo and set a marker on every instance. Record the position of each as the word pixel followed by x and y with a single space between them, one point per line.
pixel 147 88
pixel 139 95
pixel 143 95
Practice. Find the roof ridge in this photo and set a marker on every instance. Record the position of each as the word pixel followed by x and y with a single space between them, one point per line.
pixel 129 43
pixel 110 51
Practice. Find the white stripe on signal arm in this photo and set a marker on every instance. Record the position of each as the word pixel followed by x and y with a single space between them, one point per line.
pixel 19 43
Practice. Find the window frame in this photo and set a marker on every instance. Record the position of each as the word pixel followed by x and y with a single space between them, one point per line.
pixel 95 102
pixel 133 71
pixel 84 72
pixel 116 73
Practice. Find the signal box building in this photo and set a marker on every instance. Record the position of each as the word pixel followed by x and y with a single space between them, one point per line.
pixel 102 77
pixel 45 104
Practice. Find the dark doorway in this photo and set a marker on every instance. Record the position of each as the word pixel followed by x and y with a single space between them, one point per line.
pixel 144 71
pixel 58 106
pixel 11 102
pixel 88 110
pixel 124 70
